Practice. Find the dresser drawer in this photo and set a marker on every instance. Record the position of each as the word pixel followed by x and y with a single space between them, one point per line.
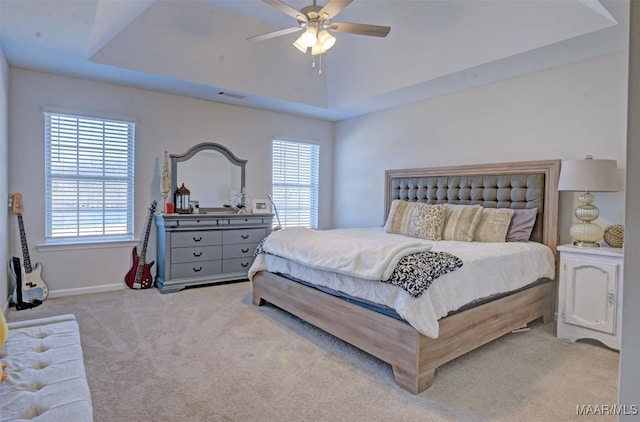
pixel 192 221
pixel 235 265
pixel 234 236
pixel 196 238
pixel 239 250
pixel 196 269
pixel 247 220
pixel 198 253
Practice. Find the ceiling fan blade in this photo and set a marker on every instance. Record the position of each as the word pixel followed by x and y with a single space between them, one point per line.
pixel 333 8
pixel 285 8
pixel 360 29
pixel 274 34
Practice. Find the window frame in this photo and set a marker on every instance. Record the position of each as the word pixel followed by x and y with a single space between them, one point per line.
pixel 291 217
pixel 111 139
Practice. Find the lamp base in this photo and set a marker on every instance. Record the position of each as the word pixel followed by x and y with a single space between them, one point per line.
pixel 586 235
pixel 583 244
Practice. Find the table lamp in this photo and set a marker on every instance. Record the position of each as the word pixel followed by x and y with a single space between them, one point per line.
pixel 588 176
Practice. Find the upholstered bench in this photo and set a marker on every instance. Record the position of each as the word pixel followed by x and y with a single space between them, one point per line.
pixel 46 377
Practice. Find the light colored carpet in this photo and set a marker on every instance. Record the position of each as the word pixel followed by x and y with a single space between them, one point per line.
pixel 209 354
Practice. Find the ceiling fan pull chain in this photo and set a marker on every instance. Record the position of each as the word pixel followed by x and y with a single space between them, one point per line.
pixel 320 67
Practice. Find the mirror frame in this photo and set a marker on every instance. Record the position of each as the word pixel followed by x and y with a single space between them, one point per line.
pixel 178 158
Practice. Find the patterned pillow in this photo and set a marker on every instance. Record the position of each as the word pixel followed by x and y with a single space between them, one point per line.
pixel 522 225
pixel 399 217
pixel 427 221
pixel 493 225
pixel 461 222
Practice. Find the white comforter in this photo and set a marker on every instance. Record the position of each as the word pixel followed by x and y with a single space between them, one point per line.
pixel 488 269
pixel 368 255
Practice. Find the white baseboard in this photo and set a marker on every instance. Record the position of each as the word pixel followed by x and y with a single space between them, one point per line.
pixel 86 290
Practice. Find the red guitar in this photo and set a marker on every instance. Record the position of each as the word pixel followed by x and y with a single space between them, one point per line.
pixel 139 276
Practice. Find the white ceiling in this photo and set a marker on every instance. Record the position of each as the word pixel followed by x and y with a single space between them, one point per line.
pixel 199 48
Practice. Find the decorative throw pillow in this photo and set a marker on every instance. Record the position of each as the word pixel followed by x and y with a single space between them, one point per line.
pixel 493 225
pixel 4 333
pixel 521 225
pixel 461 222
pixel 399 217
pixel 427 221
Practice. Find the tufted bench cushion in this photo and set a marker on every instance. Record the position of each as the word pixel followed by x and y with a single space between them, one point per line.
pixel 47 380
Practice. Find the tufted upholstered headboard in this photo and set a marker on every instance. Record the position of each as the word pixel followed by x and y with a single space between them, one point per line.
pixel 526 184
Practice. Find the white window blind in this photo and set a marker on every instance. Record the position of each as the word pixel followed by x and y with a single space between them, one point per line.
pixel 295 183
pixel 89 178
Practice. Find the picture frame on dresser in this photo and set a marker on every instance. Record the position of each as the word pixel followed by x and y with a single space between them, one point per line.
pixel 260 206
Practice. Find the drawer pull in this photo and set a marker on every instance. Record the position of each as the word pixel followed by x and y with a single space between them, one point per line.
pixel 244 236
pixel 244 264
pixel 197 239
pixel 197 254
pixel 244 250
pixel 197 270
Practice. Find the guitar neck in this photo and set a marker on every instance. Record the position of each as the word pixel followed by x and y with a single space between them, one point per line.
pixel 146 238
pixel 25 247
pixel 143 253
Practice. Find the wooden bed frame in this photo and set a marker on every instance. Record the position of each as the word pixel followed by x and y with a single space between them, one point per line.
pixel 413 356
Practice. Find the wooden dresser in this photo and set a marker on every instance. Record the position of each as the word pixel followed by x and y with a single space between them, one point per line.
pixel 198 249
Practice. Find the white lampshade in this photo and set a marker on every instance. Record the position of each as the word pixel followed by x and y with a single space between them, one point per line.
pixel 317 49
pixel 589 175
pixel 326 39
pixel 310 36
pixel 300 45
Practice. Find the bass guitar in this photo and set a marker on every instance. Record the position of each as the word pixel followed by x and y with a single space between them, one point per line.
pixel 33 288
pixel 139 276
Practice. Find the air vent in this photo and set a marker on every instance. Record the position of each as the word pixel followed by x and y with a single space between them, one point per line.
pixel 231 95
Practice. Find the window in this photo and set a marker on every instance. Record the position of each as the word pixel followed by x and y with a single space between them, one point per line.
pixel 89 179
pixel 295 183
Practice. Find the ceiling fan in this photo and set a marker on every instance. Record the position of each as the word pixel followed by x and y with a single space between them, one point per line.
pixel 316 22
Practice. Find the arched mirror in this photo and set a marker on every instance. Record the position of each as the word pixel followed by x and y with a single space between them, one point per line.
pixel 211 172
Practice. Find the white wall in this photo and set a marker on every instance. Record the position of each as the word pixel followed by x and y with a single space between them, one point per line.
pixel 164 122
pixel 563 113
pixel 4 177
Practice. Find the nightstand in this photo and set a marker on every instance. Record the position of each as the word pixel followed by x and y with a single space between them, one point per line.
pixel 590 294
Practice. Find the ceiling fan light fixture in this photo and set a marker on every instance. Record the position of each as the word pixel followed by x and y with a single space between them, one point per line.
pixel 300 45
pixel 310 36
pixel 326 39
pixel 317 49
pixel 315 22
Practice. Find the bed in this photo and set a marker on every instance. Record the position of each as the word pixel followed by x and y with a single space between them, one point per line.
pixel 414 356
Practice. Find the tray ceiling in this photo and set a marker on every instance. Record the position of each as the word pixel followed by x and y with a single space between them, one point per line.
pixel 198 48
